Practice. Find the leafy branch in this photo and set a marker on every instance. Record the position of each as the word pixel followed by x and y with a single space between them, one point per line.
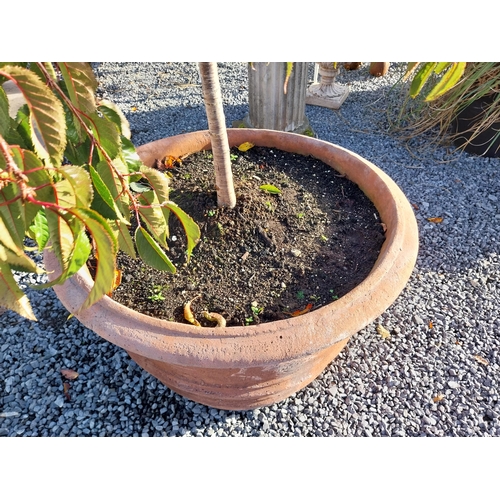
pixel 66 169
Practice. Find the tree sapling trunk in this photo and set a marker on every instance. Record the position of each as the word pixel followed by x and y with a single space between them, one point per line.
pixel 212 97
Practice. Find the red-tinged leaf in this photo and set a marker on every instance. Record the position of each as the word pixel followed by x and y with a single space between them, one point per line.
pixel 435 220
pixel 170 162
pixel 117 281
pixel 415 206
pixel 66 388
pixel 46 114
pixel 11 296
pixel 151 253
pixel 69 374
pixel 302 311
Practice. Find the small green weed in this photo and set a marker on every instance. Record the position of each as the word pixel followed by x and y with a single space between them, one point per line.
pixel 157 294
pixel 256 309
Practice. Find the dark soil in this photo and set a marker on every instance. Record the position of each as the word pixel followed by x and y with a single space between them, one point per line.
pixel 270 256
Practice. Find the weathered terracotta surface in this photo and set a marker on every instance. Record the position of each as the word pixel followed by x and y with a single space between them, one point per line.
pixel 241 368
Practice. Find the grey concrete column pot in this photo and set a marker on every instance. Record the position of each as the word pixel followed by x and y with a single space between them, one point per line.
pixel 268 105
pixel 240 368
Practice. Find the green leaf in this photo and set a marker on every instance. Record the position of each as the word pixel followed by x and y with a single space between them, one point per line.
pixel 138 187
pixel 106 249
pixel 110 178
pixel 270 189
pixel 23 129
pixel 447 81
pixel 421 78
pixel 153 216
pixel 62 236
pixel 80 182
pixel 40 230
pixel 151 253
pixel 37 178
pixel 80 85
pixel 115 114
pixel 48 67
pixel 4 112
pixel 78 256
pixel 9 241
pixel 122 233
pixel 105 195
pixel 190 227
pixel 46 114
pixel 18 262
pixel 11 296
pixel 12 213
pixel 129 153
pixel 161 186
pixel 106 133
pixel 440 67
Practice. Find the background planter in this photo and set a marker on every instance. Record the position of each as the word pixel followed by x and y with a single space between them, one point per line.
pixel 467 121
pixel 241 368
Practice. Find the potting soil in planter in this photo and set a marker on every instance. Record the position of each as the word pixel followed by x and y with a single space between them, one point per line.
pixel 273 255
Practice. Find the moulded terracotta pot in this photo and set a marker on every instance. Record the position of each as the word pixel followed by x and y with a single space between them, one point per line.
pixel 240 368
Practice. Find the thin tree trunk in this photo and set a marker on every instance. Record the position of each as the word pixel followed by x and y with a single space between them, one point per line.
pixel 226 196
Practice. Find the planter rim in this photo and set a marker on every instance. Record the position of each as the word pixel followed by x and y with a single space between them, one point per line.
pixel 294 337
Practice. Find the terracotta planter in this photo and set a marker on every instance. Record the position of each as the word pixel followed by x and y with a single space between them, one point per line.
pixel 241 368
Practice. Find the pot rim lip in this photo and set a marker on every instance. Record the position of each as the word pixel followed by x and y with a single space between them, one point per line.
pixel 399 249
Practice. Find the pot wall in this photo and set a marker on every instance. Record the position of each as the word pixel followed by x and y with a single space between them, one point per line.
pixel 240 368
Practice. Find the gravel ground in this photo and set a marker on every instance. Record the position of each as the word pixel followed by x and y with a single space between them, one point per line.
pixel 435 376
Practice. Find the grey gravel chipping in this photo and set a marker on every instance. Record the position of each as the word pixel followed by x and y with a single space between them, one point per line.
pixel 437 374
